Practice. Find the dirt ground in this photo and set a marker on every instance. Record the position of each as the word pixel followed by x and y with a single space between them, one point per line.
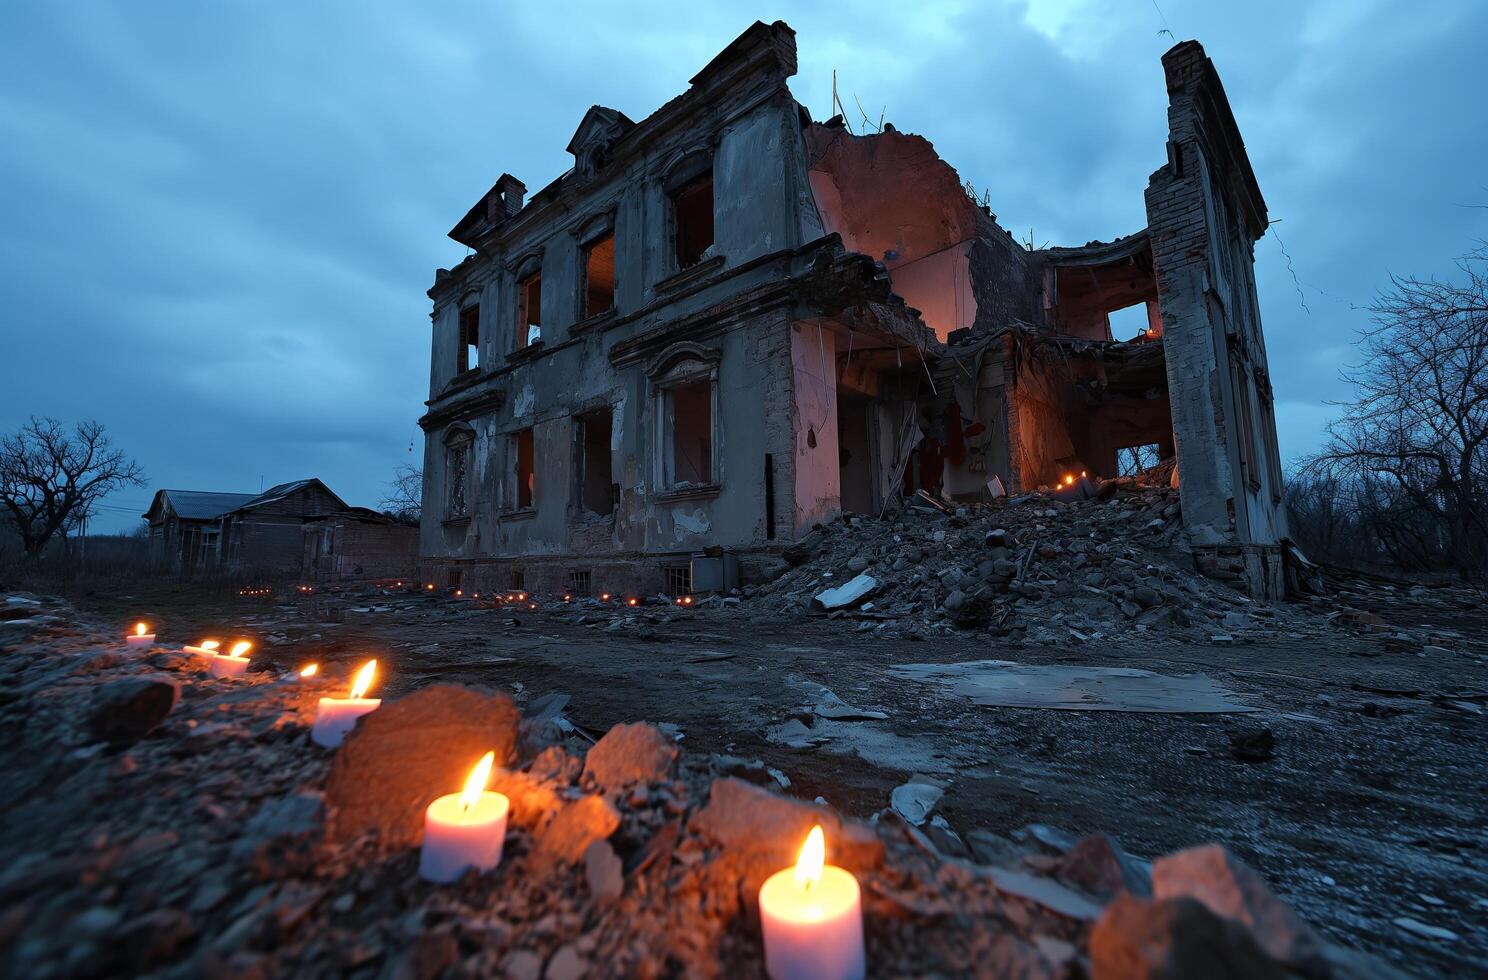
pixel 1371 809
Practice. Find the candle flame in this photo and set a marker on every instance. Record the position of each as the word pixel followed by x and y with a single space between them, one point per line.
pixel 310 670
pixel 139 629
pixel 1069 479
pixel 363 679
pixel 240 649
pixel 476 784
pixel 813 856
pixel 209 644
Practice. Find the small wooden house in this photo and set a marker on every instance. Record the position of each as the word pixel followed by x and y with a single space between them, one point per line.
pixel 358 543
pixel 185 528
pixel 265 535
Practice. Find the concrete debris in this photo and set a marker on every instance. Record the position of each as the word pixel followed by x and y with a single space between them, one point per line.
pixel 408 752
pixel 1005 684
pixel 1230 889
pixel 914 800
pixel 629 754
pixel 847 595
pixel 1137 939
pixel 224 844
pixel 125 711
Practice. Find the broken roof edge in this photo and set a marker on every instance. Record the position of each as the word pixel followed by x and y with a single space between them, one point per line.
pixel 761 47
pixel 1097 252
pixel 1186 64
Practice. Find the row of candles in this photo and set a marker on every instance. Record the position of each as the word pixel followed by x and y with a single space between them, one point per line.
pixel 334 717
pixel 810 914
pixel 510 597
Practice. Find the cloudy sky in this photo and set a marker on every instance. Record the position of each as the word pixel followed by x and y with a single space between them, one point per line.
pixel 219 219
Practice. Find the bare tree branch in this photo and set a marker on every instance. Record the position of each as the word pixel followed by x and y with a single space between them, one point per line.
pixel 50 478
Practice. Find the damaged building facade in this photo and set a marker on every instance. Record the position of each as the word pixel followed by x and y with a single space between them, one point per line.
pixel 728 323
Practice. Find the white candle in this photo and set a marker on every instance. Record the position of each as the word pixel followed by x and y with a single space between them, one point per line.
pixel 231 664
pixel 813 919
pixel 140 637
pixel 206 648
pixel 337 716
pixel 464 830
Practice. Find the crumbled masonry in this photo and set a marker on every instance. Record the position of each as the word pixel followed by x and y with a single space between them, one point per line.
pixel 224 844
pixel 728 323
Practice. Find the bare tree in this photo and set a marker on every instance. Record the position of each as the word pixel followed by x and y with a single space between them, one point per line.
pixel 405 496
pixel 50 478
pixel 1415 437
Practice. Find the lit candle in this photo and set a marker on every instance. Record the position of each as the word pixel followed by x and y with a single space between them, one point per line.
pixel 813 919
pixel 466 829
pixel 140 637
pixel 206 648
pixel 337 716
pixel 308 672
pixel 231 664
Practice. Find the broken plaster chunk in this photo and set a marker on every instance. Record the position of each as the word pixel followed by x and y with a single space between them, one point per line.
pixel 914 800
pixel 1176 937
pixel 748 819
pixel 848 594
pixel 1229 888
pixel 410 751
pixel 602 871
pixel 628 754
pixel 578 825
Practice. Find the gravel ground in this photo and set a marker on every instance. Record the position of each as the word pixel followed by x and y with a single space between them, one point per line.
pixel 1368 811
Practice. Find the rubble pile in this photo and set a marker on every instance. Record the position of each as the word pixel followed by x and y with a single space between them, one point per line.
pixel 1054 566
pixel 162 821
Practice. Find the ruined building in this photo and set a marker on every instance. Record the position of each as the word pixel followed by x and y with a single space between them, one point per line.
pixel 728 322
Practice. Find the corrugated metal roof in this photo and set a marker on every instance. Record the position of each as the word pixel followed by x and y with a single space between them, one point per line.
pixel 203 505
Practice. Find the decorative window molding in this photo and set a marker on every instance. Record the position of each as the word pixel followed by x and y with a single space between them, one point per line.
pixel 459 442
pixel 684 382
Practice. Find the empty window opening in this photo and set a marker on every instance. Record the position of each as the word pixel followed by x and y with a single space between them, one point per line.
pixel 579 581
pixel 1132 460
pixel 596 487
pixel 517 581
pixel 529 310
pixel 599 276
pixel 689 418
pixel 469 338
pixel 452 578
pixel 692 208
pixel 678 579
pixel 1129 322
pixel 525 479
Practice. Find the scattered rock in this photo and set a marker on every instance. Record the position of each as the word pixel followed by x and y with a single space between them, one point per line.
pixel 126 710
pixel 752 820
pixel 555 764
pixel 1253 744
pixel 914 800
pixel 602 870
pixel 1229 888
pixel 577 825
pixel 1172 939
pixel 1426 931
pixel 627 754
pixel 1099 866
pixel 402 756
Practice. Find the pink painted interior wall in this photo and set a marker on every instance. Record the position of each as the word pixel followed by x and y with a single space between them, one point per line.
pixel 818 475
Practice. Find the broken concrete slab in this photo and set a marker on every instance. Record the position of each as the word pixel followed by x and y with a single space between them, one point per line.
pixel 846 595
pixel 915 799
pixel 1006 684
